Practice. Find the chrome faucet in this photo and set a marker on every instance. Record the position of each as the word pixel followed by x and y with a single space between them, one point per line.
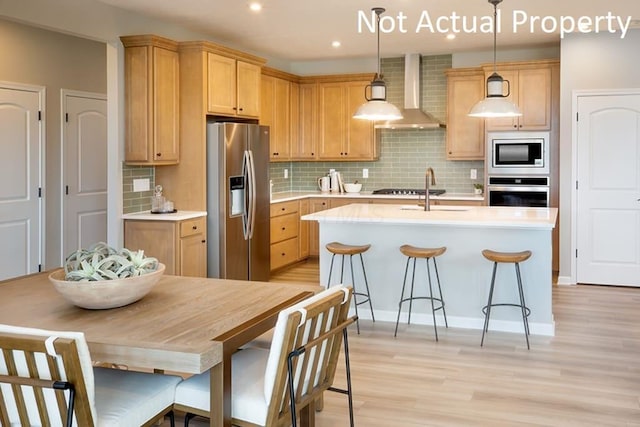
pixel 432 175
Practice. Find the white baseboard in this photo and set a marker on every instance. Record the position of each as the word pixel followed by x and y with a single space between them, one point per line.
pixel 565 281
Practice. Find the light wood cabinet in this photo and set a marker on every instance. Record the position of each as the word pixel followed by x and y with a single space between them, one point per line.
pixel 233 86
pixel 284 228
pixel 180 245
pixel 151 100
pixel 303 234
pixel 305 147
pixel 277 112
pixel 316 205
pixel 531 90
pixel 465 135
pixel 340 136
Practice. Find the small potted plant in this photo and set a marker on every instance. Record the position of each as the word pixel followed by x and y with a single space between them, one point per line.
pixel 477 188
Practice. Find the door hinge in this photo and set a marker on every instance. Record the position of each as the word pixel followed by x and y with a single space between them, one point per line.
pixel 66 190
pixel 39 268
pixel 576 253
pixel 39 192
pixel 39 116
pixel 66 117
pixel 577 117
pixel 576 184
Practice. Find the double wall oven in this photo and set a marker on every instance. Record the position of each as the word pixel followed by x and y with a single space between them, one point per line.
pixel 518 168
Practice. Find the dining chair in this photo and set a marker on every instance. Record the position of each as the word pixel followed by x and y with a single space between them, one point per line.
pixel 46 378
pixel 270 387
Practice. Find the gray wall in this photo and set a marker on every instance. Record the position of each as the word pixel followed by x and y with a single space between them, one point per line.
pixel 39 57
pixel 588 62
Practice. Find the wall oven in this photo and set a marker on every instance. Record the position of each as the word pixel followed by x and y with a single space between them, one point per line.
pixel 529 191
pixel 517 153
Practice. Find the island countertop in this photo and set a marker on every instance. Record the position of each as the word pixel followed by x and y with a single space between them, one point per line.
pixel 464 216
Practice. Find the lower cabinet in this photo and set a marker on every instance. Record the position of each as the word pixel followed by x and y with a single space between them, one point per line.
pixel 284 229
pixel 180 245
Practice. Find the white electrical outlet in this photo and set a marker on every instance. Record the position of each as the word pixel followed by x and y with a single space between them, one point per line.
pixel 473 174
pixel 365 173
pixel 141 184
pixel 286 173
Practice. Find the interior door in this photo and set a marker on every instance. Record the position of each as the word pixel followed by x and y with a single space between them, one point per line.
pixel 608 195
pixel 20 180
pixel 84 171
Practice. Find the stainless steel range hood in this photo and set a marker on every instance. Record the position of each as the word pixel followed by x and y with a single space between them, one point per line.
pixel 412 116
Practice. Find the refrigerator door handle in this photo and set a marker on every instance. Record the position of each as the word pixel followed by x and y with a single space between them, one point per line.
pixel 252 194
pixel 247 197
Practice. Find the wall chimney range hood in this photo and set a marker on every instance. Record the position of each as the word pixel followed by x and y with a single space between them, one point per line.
pixel 412 115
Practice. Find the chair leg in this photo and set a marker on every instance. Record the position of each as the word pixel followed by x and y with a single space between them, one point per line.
pixel 404 282
pixel 347 365
pixel 330 270
pixel 525 321
pixel 444 313
pixel 433 307
pixel 366 285
pixel 488 308
pixel 413 277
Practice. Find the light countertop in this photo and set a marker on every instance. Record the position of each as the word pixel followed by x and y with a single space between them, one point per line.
pixel 177 216
pixel 465 216
pixel 296 195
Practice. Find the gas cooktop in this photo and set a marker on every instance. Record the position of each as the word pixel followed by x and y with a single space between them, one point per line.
pixel 409 191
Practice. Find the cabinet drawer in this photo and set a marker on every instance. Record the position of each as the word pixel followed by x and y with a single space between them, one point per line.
pixel 284 208
pixel 284 227
pixel 192 226
pixel 284 253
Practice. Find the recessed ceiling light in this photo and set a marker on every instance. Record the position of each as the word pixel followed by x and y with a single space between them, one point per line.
pixel 336 43
pixel 255 6
pixel 451 36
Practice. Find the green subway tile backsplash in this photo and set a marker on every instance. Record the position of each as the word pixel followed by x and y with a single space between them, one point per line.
pixel 404 154
pixel 141 200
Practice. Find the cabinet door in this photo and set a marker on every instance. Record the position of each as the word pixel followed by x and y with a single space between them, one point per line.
pixel 315 205
pixel 138 104
pixel 156 238
pixel 534 98
pixel 193 256
pixel 294 116
pixel 248 89
pixel 465 135
pixel 506 123
pixel 360 144
pixel 303 234
pixel 166 116
pixel 332 131
pixel 221 85
pixel 308 123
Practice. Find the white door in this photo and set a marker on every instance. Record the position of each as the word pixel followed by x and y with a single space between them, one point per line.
pixel 20 185
pixel 84 170
pixel 608 192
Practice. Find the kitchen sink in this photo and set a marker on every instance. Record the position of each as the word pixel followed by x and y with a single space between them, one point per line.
pixel 435 208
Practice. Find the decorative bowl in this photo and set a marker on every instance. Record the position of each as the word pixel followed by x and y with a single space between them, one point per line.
pixel 352 188
pixel 104 294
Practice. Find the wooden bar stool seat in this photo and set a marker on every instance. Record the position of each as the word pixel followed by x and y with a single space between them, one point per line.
pixel 507 258
pixel 414 252
pixel 362 297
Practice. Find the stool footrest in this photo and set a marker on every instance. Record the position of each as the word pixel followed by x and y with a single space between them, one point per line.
pixel 526 309
pixel 441 307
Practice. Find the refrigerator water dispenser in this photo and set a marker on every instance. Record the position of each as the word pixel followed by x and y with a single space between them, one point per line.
pixel 236 187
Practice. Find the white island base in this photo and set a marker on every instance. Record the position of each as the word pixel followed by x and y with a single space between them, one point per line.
pixel 465 274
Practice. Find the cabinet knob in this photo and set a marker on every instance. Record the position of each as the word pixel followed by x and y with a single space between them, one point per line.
pixel 203 241
pixel 515 126
pixel 158 154
pixel 235 108
pixel 283 254
pixel 195 227
pixel 283 228
pixel 241 109
pixel 312 154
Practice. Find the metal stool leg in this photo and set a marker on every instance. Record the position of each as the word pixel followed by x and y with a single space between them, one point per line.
pixel 366 285
pixel 355 294
pixel 433 307
pixel 404 282
pixel 330 270
pixel 525 321
pixel 488 307
pixel 444 313
pixel 413 276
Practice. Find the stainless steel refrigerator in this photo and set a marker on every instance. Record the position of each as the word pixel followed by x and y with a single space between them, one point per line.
pixel 238 201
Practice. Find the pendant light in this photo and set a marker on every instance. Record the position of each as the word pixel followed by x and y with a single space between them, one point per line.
pixel 496 103
pixel 377 107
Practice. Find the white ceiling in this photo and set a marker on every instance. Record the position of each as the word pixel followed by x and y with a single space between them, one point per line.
pixel 302 30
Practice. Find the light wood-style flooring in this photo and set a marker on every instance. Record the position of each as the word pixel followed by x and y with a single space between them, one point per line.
pixel 588 374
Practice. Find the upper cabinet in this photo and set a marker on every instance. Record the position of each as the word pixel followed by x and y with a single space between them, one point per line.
pixel 531 90
pixel 233 86
pixel 279 111
pixel 339 135
pixel 151 100
pixel 465 135
pixel 305 147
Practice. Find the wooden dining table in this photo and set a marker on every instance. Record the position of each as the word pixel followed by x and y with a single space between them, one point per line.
pixel 186 325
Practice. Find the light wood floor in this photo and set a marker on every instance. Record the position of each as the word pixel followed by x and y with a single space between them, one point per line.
pixel 586 375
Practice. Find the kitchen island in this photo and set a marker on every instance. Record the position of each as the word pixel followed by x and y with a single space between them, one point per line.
pixel 464 273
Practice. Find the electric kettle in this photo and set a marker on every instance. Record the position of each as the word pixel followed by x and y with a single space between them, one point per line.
pixel 324 183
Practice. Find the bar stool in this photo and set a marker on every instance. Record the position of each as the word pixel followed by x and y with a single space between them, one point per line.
pixel 341 249
pixel 414 253
pixel 513 258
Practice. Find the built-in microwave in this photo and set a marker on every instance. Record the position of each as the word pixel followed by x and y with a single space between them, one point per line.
pixel 519 153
